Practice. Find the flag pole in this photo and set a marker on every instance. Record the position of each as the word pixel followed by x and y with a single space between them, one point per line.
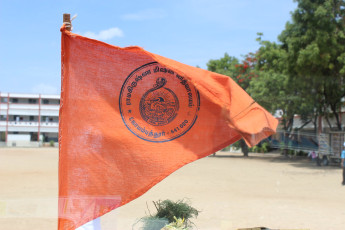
pixel 95 224
pixel 67 21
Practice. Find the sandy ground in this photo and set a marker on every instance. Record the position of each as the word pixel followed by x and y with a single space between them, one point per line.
pixel 230 191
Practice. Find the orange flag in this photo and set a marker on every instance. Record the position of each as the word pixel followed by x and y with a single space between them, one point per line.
pixel 129 118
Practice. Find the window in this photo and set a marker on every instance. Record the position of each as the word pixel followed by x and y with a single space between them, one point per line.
pixel 3 117
pixel 3 100
pixel 32 118
pixel 32 101
pixel 45 101
pixel 2 136
pixel 14 100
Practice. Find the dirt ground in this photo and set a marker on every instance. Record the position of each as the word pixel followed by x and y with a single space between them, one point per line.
pixel 232 192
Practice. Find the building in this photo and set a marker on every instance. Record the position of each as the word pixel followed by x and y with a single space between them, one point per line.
pixel 28 119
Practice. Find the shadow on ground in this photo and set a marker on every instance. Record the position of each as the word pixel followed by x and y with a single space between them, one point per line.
pixel 277 157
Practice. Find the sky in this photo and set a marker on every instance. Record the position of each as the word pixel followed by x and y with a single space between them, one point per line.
pixel 189 31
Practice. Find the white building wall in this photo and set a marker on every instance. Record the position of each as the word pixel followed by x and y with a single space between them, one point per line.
pixel 297 123
pixel 50 96
pixel 21 113
pixel 24 112
pixel 18 137
pixel 22 95
pixel 24 106
pixel 22 140
pixel 49 112
pixel 22 129
pixel 49 129
pixel 325 127
pixel 3 107
pixel 2 126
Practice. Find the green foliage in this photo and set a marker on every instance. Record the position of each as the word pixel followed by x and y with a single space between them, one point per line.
pixel 291 152
pixel 177 225
pixel 240 72
pixel 314 43
pixel 225 65
pixel 275 90
pixel 315 37
pixel 170 210
pixel 282 146
pixel 170 215
pixel 2 136
pixel 226 149
pixel 304 73
pixel 270 91
pixel 51 143
pixel 263 147
pixel 309 60
pixel 302 153
pixel 255 148
pixel 236 145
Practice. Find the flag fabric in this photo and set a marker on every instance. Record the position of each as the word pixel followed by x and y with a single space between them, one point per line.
pixel 129 118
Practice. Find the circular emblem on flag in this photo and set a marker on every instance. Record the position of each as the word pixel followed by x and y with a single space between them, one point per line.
pixel 157 104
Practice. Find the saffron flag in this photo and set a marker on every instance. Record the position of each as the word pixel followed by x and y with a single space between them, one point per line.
pixel 129 118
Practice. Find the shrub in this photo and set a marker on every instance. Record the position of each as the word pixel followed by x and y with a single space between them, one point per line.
pixel 265 147
pixel 170 215
pixel 170 210
pixel 177 225
pixel 236 145
pixel 226 149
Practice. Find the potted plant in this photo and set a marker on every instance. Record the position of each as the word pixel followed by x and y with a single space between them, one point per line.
pixel 170 215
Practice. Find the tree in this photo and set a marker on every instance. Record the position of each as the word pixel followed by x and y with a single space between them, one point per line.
pixel 314 43
pixel 246 70
pixel 274 90
pixel 311 57
pixel 241 73
pixel 225 65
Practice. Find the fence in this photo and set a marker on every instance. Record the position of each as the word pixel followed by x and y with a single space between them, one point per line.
pixel 328 146
pixel 298 141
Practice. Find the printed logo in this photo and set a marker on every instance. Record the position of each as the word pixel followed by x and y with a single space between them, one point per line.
pixel 157 104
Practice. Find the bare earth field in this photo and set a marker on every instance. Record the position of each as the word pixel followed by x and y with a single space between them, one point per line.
pixel 230 191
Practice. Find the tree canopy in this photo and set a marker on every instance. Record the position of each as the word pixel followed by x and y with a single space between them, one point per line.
pixel 303 73
pixel 314 43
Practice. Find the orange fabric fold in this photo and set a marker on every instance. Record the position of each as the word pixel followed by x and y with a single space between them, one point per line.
pixel 129 118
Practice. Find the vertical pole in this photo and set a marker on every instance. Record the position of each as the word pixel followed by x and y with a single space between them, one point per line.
pixel 320 124
pixel 67 21
pixel 340 119
pixel 39 119
pixel 0 114
pixel 8 108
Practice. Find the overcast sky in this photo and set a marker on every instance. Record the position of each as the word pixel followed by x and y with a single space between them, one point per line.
pixel 189 31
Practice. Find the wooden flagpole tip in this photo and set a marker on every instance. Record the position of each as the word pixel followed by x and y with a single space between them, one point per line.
pixel 67 21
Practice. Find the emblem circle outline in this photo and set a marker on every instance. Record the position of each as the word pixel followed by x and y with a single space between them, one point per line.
pixel 196 107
